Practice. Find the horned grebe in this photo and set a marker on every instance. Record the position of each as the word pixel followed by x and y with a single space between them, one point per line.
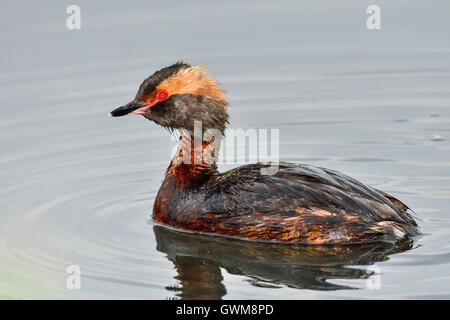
pixel 298 203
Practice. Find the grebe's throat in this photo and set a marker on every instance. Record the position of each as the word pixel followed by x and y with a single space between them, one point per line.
pixel 196 153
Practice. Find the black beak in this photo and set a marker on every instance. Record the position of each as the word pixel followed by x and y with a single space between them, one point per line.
pixel 126 109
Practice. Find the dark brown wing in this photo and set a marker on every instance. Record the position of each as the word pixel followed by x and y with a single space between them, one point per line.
pixel 400 205
pixel 315 204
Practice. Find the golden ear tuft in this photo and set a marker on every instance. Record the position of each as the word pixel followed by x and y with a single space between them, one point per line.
pixel 193 80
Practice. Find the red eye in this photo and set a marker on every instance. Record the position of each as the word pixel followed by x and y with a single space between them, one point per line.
pixel 162 95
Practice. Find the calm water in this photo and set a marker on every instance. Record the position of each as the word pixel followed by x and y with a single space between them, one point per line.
pixel 78 187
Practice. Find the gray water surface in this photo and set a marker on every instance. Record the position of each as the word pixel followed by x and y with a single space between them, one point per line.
pixel 77 187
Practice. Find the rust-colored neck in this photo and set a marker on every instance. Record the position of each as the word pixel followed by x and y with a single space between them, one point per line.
pixel 193 157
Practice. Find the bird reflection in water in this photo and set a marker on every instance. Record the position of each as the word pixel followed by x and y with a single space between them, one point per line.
pixel 198 260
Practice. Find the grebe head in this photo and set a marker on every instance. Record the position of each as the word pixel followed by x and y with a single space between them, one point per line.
pixel 177 96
